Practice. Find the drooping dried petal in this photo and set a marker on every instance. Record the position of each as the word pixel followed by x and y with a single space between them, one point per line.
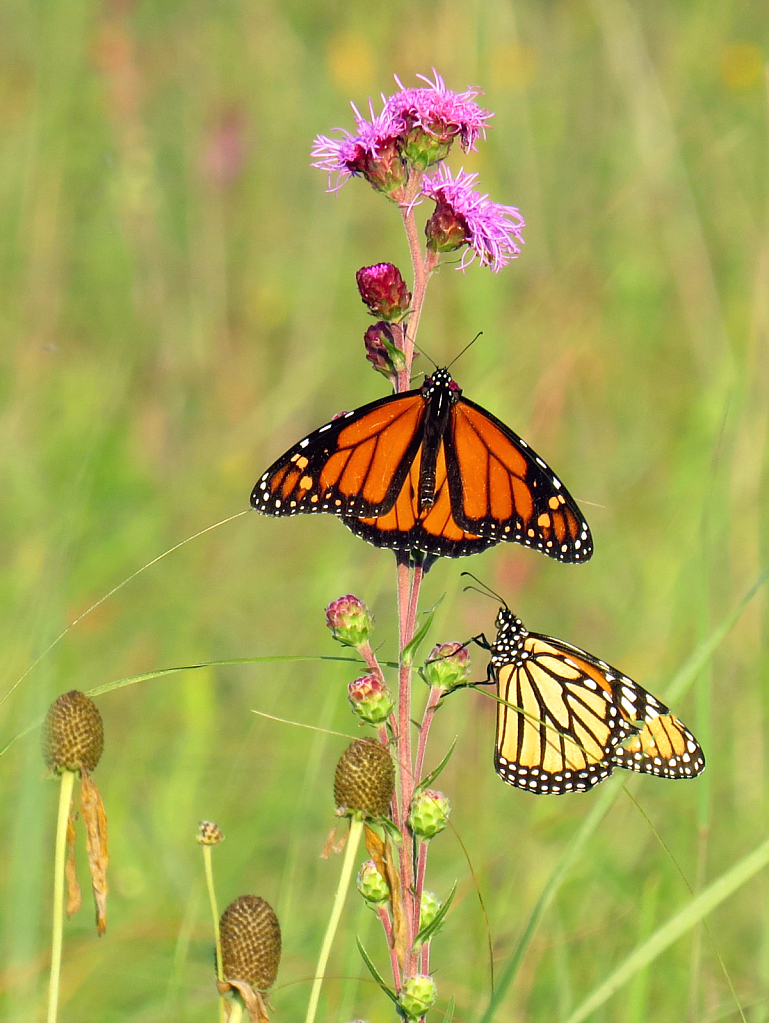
pixel 95 821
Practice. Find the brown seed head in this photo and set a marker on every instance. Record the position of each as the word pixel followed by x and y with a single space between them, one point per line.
pixel 209 833
pixel 365 778
pixel 73 733
pixel 251 944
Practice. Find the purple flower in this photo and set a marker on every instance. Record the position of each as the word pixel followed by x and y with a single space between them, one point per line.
pixel 384 291
pixel 464 216
pixel 374 152
pixel 434 116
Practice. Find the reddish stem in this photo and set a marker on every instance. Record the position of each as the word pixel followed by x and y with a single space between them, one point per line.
pixel 384 917
pixel 433 701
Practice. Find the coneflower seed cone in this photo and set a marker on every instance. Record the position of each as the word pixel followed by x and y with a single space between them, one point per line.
pixel 73 733
pixel 251 942
pixel 365 778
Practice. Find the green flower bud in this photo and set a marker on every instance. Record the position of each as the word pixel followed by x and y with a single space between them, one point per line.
pixel 428 909
pixel 429 814
pixel 350 621
pixel 447 666
pixel 370 698
pixel 419 994
pixel 371 884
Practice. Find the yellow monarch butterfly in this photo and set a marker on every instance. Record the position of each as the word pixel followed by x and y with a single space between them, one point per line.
pixel 430 471
pixel 566 719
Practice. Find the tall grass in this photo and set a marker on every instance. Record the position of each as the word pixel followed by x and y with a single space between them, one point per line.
pixel 178 306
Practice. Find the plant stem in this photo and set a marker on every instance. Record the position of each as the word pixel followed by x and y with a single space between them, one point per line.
pixel 60 855
pixel 353 841
pixel 217 935
pixel 433 700
pixel 236 1012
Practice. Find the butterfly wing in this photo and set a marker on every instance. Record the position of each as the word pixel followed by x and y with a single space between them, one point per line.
pixel 561 719
pixel 432 530
pixel 354 465
pixel 664 747
pixel 501 489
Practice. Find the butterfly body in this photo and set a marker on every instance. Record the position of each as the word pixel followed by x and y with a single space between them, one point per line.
pixel 566 719
pixel 427 470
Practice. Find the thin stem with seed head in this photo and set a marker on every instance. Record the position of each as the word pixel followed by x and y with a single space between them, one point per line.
pixel 217 933
pixel 356 830
pixel 60 855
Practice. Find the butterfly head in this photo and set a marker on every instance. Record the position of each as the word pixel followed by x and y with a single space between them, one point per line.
pixel 511 635
pixel 441 380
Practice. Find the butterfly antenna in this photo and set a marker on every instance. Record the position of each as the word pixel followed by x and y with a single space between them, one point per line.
pixel 464 349
pixel 485 590
pixel 423 352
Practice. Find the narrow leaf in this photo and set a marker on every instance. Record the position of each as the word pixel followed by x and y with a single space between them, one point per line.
pixel 704 903
pixel 409 651
pixel 426 933
pixel 427 782
pixel 374 972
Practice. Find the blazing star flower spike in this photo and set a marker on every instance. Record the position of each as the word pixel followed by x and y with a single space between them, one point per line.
pixel 465 217
pixel 433 117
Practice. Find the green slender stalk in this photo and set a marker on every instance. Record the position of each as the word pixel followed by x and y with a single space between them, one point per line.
pixel 60 856
pixel 217 934
pixel 236 1012
pixel 353 841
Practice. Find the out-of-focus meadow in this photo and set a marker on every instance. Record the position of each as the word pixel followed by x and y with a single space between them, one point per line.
pixel 179 305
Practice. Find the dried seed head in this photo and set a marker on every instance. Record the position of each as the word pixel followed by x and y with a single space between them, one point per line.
pixel 365 779
pixel 209 833
pixel 73 733
pixel 251 945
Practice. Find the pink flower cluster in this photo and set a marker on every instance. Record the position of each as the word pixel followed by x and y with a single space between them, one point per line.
pixel 415 131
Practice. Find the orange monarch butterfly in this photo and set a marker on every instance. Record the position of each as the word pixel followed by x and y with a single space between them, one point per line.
pixel 429 471
pixel 566 714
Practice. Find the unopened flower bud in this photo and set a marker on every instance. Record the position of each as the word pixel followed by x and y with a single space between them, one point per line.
pixel 371 884
pixel 382 352
pixel 251 942
pixel 370 698
pixel 428 909
pixel 446 230
pixel 365 779
pixel 429 814
pixel 350 621
pixel 209 833
pixel 447 666
pixel 419 994
pixel 384 291
pixel 73 733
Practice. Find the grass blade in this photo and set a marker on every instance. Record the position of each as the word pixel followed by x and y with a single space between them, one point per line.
pixel 698 908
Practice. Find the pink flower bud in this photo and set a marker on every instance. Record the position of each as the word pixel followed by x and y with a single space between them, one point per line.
pixel 446 230
pixel 447 667
pixel 370 698
pixel 350 621
pixel 382 352
pixel 384 291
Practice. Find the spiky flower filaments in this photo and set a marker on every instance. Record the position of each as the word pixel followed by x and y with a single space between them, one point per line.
pixel 251 942
pixel 73 733
pixel 365 779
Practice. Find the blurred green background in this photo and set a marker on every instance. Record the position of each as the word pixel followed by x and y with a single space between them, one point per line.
pixel 178 306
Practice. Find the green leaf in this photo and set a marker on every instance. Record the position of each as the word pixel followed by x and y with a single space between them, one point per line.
pixel 663 937
pixel 410 650
pixel 374 972
pixel 427 782
pixel 431 929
